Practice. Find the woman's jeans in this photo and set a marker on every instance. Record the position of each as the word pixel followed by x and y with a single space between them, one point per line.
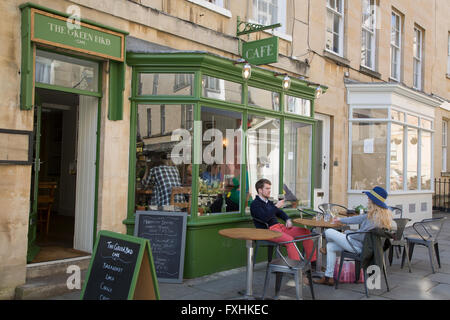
pixel 336 242
pixel 289 235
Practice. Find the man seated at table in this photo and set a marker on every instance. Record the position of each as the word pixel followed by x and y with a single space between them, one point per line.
pixel 266 211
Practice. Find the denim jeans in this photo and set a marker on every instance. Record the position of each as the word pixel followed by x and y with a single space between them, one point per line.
pixel 336 242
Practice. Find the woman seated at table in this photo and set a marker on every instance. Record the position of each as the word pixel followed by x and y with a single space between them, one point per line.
pixel 378 216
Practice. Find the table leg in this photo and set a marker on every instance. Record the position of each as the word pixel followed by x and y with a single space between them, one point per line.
pixel 319 272
pixel 250 257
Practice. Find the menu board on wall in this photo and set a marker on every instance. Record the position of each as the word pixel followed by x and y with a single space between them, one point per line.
pixel 121 268
pixel 166 232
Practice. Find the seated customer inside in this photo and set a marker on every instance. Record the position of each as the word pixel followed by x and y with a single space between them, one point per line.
pixel 265 214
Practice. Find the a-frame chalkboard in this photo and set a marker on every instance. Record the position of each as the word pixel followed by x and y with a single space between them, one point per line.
pixel 121 268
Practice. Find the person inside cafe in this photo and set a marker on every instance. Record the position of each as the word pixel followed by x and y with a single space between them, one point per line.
pixel 378 216
pixel 267 212
pixel 162 177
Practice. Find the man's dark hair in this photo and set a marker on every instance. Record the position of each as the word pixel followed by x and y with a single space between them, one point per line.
pixel 261 182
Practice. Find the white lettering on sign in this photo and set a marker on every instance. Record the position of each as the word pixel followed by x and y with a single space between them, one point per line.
pixel 259 52
pixel 79 36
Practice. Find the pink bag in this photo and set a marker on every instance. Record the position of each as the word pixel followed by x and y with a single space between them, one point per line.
pixel 348 272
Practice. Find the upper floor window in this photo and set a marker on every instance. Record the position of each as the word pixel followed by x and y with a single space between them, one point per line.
pixel 268 12
pixel 448 55
pixel 368 34
pixel 335 26
pixel 417 58
pixel 444 145
pixel 396 27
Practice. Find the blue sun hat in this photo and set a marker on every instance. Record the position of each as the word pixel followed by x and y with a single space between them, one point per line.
pixel 378 195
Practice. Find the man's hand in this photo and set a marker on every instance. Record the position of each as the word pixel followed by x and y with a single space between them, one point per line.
pixel 288 223
pixel 280 204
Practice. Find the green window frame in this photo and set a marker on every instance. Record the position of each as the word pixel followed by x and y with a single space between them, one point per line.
pixel 201 64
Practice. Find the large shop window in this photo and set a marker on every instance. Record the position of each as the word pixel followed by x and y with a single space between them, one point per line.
pixel 409 151
pixel 297 164
pixel 220 171
pixel 161 184
pixel 263 152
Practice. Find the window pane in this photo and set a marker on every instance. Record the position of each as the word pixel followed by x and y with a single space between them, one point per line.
pixel 298 106
pixel 179 84
pixel 397 115
pixel 370 113
pixel 368 155
pixel 220 172
pixel 263 152
pixel 297 164
pixel 426 159
pixel 396 166
pixel 156 171
pixel 65 71
pixel 412 159
pixel 412 120
pixel 263 98
pixel 215 88
pixel 426 124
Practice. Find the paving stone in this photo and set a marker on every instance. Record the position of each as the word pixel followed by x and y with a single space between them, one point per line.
pixel 441 291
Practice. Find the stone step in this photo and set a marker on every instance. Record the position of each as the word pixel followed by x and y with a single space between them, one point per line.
pixel 44 287
pixel 44 269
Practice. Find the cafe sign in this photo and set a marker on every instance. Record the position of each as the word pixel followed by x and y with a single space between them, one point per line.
pixel 51 29
pixel 259 52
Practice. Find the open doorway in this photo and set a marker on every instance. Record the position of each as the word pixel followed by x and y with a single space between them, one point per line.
pixel 64 174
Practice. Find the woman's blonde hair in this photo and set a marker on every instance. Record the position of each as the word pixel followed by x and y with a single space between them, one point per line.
pixel 381 217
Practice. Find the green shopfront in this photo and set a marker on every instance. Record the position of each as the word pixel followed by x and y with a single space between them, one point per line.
pixel 220 129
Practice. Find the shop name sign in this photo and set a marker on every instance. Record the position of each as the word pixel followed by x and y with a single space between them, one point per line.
pixel 263 51
pixel 53 30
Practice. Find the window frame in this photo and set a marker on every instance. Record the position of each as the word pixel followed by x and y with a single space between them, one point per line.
pixel 335 12
pixel 373 34
pixel 281 18
pixel 444 145
pixel 418 59
pixel 398 49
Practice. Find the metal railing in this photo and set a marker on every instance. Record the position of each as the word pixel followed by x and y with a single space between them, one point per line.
pixel 441 196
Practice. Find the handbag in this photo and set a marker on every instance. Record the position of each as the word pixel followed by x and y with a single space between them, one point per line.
pixel 347 272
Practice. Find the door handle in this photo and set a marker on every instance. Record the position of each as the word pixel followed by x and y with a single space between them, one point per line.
pixel 320 194
pixel 324 165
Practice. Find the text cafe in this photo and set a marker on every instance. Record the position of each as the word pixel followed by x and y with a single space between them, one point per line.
pixel 215 126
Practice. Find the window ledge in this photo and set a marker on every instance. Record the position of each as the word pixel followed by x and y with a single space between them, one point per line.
pixel 212 7
pixel 369 72
pixel 336 58
pixel 445 174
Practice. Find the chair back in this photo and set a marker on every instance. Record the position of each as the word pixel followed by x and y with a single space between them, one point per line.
pixel 181 191
pixel 333 209
pixel 397 211
pixel 46 194
pixel 261 222
pixel 309 212
pixel 429 229
pixel 401 224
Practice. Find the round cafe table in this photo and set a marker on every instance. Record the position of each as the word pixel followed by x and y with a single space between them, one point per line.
pixel 250 235
pixel 322 225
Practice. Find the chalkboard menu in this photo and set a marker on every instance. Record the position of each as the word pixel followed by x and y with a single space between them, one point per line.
pixel 166 232
pixel 121 268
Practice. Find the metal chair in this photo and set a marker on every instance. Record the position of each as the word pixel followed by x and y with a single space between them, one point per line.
pixel 357 257
pixel 396 211
pixel 263 243
pixel 283 265
pixel 427 233
pixel 399 241
pixel 333 209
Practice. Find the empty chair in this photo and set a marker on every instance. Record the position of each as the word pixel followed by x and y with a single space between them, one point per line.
pixel 283 265
pixel 399 241
pixel 427 232
pixel 360 258
pixel 186 191
pixel 397 211
pixel 46 199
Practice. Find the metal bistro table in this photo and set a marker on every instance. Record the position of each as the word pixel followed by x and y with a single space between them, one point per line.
pixel 322 225
pixel 249 235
